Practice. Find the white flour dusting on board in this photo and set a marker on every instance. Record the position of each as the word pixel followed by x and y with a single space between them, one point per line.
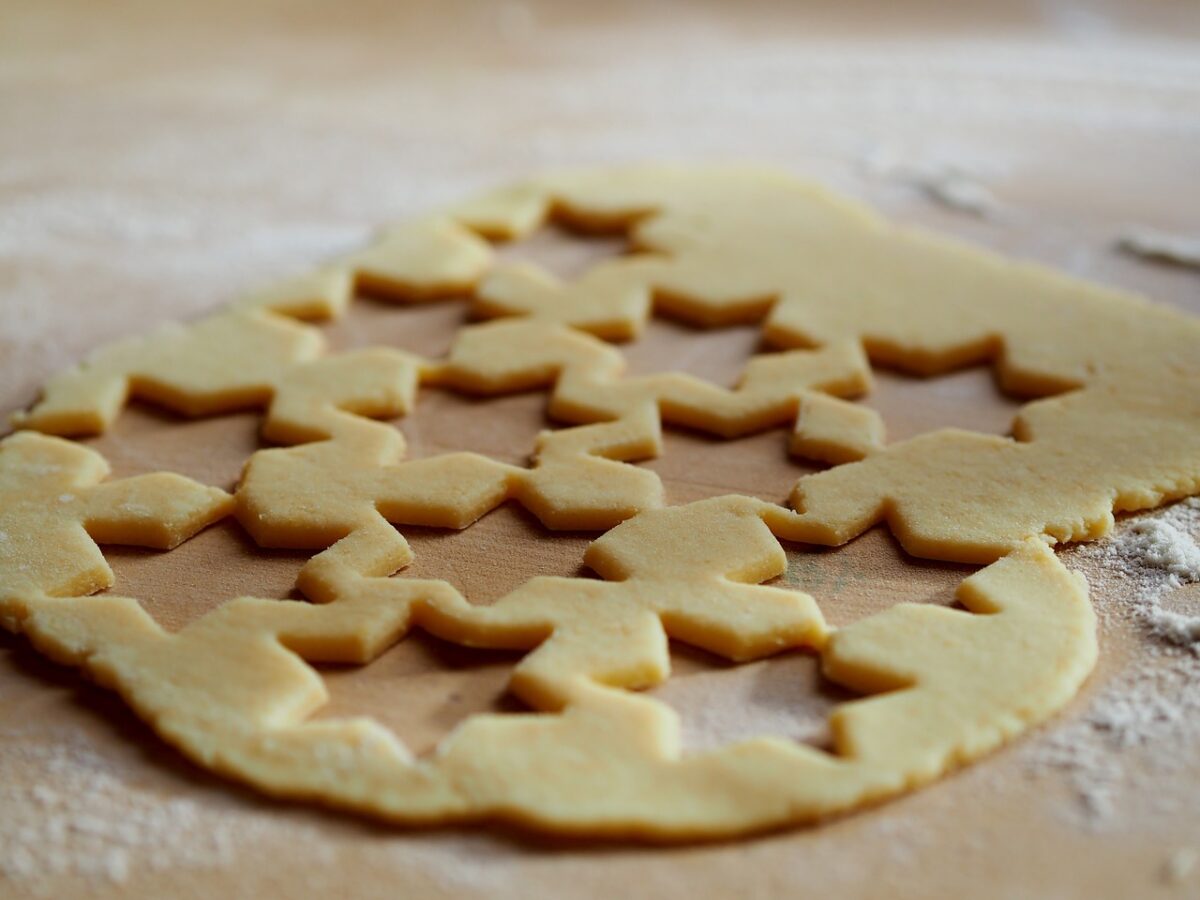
pixel 1153 555
pixel 73 814
pixel 1161 246
pixel 951 184
pixel 1151 709
pixel 68 812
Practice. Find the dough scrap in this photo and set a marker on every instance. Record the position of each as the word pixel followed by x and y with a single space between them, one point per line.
pixel 946 685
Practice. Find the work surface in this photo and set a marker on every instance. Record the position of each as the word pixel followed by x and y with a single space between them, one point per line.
pixel 156 162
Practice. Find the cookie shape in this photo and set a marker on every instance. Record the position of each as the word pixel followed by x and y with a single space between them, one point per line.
pixel 55 506
pixel 946 683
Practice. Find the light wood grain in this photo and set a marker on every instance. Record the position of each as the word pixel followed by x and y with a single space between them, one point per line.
pixel 157 159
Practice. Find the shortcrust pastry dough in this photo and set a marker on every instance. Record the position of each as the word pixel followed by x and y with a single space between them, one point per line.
pixel 720 246
pixel 55 506
pixel 835 285
pixel 735 246
pixel 233 692
pixel 419 261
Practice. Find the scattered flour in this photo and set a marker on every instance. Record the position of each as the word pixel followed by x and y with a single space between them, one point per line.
pixel 68 813
pixel 205 239
pixel 948 184
pixel 1152 707
pixel 1157 555
pixel 961 193
pixel 1150 243
pixel 775 696
pixel 1179 865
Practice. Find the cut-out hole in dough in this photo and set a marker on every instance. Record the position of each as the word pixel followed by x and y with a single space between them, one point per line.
pixel 504 427
pixel 967 399
pixel 718 355
pixel 147 438
pixel 720 703
pixel 564 251
pixel 496 555
pixel 199 575
pixel 694 466
pixel 869 575
pixel 426 329
pixel 442 684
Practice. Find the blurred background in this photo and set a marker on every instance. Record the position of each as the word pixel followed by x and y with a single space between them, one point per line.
pixel 186 151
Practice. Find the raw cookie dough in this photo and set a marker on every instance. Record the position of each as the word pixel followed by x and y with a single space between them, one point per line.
pixel 312 495
pixel 424 260
pixel 744 246
pixel 801 387
pixel 947 684
pixel 55 506
pixel 720 246
pixel 234 360
pixel 835 285
pixel 230 361
pixel 315 494
pixel 972 497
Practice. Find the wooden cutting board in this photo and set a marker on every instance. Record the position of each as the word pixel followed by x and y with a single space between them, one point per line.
pixel 157 160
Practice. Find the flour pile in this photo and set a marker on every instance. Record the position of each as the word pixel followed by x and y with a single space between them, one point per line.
pixel 1155 556
pixel 1144 724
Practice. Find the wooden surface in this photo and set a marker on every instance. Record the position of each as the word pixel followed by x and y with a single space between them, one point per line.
pixel 155 160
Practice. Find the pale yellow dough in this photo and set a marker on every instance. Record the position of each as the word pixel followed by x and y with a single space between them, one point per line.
pixel 312 495
pixel 424 260
pixel 733 245
pixel 55 506
pixel 718 246
pixel 233 692
pixel 835 286
pixel 229 361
